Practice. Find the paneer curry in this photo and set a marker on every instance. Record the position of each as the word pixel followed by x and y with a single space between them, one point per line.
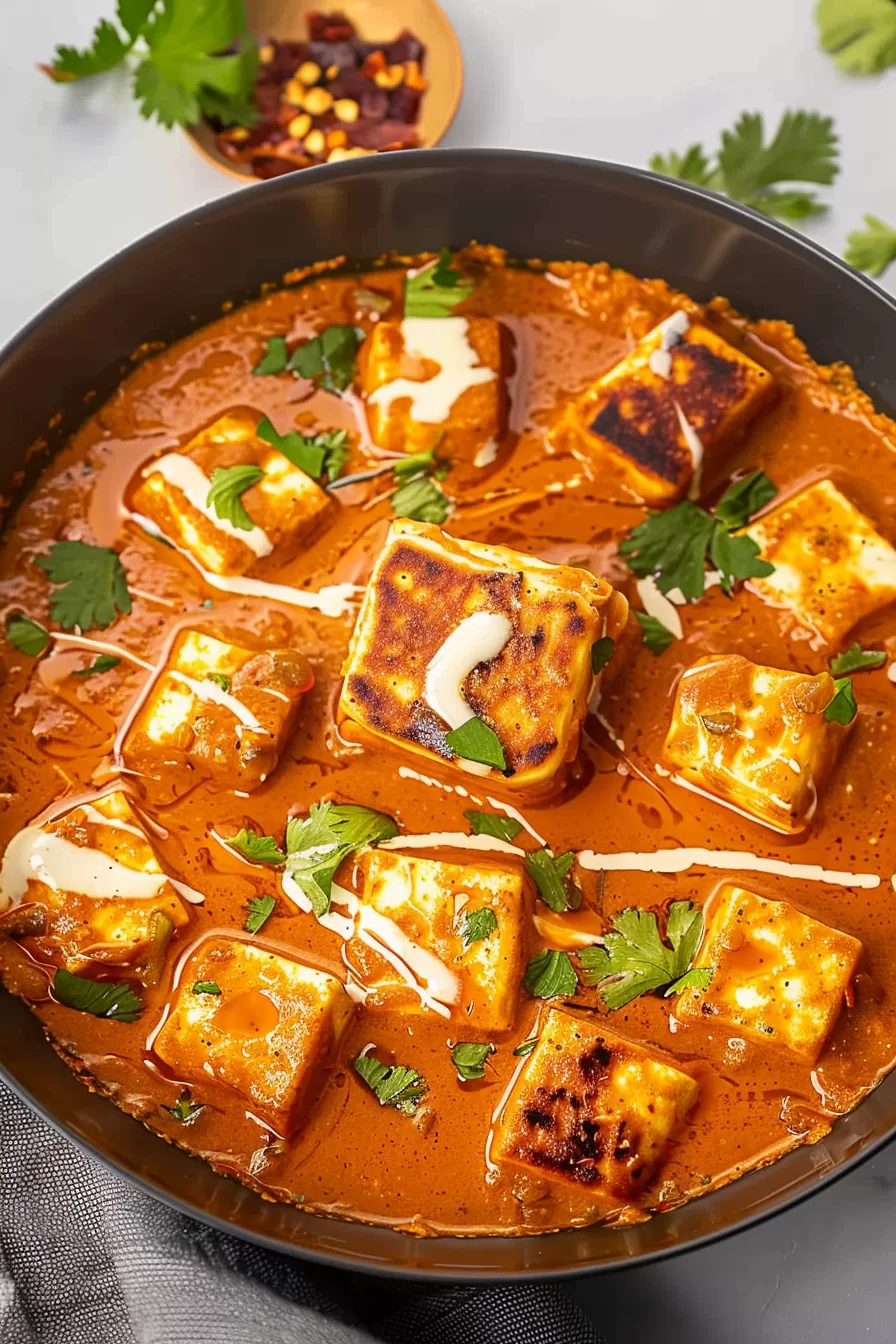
pixel 448 775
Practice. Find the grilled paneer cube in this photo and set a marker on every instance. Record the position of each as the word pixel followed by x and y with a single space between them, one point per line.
pixel 265 1025
pixel 592 1108
pixel 286 506
pixel 777 975
pixel 682 395
pixel 440 907
pixel 225 711
pixel 831 567
pixel 756 737
pixel 435 381
pixel 450 630
pixel 87 887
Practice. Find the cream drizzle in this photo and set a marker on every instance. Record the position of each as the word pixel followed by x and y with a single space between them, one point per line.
pixel 445 341
pixel 679 860
pixel 477 639
pixel 212 693
pixel 38 855
pixel 659 606
pixel 184 474
pixel 454 839
pixel 100 646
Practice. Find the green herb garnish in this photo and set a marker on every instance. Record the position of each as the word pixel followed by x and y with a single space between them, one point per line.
pixel 475 741
pixel 28 636
pixel 206 987
pixel 274 359
pixel 489 823
pixel 550 974
pixel 317 845
pixel 437 290
pixel 228 485
pixel 873 248
pixel 219 679
pixel 102 999
pixel 395 1085
pixel 104 662
pixel 843 707
pixel 329 358
pixel 260 909
pixel 804 149
pixel 417 494
pixel 657 637
pixel 602 651
pixel 526 1047
pixel 257 848
pixel 550 873
pixel 857 659
pixel 634 959
pixel 469 1058
pixel 317 454
pixel 93 585
pixel 478 925
pixel 185 1110
pixel 859 34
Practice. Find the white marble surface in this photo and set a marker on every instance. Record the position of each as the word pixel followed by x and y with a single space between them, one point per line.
pixel 615 79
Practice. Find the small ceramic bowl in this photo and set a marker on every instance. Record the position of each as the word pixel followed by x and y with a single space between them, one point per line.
pixel 375 20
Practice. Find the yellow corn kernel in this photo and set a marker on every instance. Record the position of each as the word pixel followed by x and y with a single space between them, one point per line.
pixel 391 77
pixel 294 93
pixel 332 71
pixel 237 135
pixel 299 126
pixel 340 155
pixel 315 142
pixel 336 139
pixel 308 73
pixel 318 101
pixel 266 53
pixel 346 109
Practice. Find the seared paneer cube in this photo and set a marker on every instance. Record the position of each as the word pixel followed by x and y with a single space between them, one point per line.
pixel 285 506
pixel 264 1024
pixel 778 975
pixel 452 630
pixel 435 381
pixel 470 917
pixel 225 711
pixel 756 737
pixel 683 395
pixel 593 1109
pixel 87 887
pixel 831 567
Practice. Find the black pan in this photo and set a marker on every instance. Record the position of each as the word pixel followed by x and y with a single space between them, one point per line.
pixel 535 205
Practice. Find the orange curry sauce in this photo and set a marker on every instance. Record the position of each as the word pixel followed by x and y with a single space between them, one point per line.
pixel 350 1157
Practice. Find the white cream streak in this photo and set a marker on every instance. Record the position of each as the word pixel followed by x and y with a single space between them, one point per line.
pixel 38 855
pixel 679 860
pixel 445 341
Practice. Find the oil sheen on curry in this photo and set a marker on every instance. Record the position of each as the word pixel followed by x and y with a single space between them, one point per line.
pixel 453 705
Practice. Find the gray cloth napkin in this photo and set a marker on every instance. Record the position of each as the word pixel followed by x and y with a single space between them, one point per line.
pixel 86 1258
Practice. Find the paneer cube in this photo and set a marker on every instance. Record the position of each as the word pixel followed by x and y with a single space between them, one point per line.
pixel 431 594
pixel 87 887
pixel 431 902
pixel 831 567
pixel 778 976
pixel 430 381
pixel 683 395
pixel 756 737
pixel 593 1109
pixel 225 711
pixel 286 506
pixel 270 1033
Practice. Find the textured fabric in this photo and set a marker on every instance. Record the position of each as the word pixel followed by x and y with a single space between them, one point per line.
pixel 85 1258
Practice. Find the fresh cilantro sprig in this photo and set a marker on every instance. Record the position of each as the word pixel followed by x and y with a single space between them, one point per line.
pixel 657 637
pixel 635 960
pixel 102 999
pixel 257 848
pixel 328 359
pixel 436 290
pixel 228 485
pixel 92 585
pixel 842 707
pixel 29 637
pixel 195 58
pixel 469 1059
pixel 551 875
pixel 418 495
pixel 260 909
pixel 392 1085
pixel 317 844
pixel 317 455
pixel 873 248
pixel 104 662
pixel 673 547
pixel 475 741
pixel 859 34
pixel 549 975
pixel 746 168
pixel 857 659
pixel 489 823
pixel 478 925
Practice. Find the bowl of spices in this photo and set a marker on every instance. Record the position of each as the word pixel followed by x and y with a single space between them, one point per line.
pixel 332 86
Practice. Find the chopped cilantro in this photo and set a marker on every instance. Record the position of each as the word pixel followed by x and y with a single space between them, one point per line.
pixel 28 636
pixel 185 1110
pixel 843 707
pixel 436 290
pixel 260 909
pixel 228 485
pixel 274 359
pixel 206 987
pixel 489 823
pixel 469 1058
pixel 316 455
pixel 857 659
pixel 657 637
pixel 475 741
pixel 421 499
pixel 395 1085
pixel 219 679
pixel 104 662
pixel 329 358
pixel 100 998
pixel 92 584
pixel 745 498
pixel 634 960
pixel 550 873
pixel 257 848
pixel 873 248
pixel 317 845
pixel 602 651
pixel 478 925
pixel 550 974
pixel 526 1047
pixel 859 34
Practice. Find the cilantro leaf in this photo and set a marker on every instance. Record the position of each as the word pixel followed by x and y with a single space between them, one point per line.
pixel 475 741
pixel 859 34
pixel 843 707
pixel 469 1059
pixel 185 1110
pixel 274 359
pixel 657 637
pixel 260 909
pixel 736 558
pixel 691 166
pixel 105 52
pixel 206 987
pixel 634 960
pixel 437 290
pixel 489 823
pixel 93 584
pixel 873 248
pixel 184 38
pixel 602 651
pixel 478 925
pixel 104 662
pixel 550 974
pixel 526 1047
pixel 395 1085
pixel 550 874
pixel 257 848
pixel 28 636
pixel 317 845
pixel 133 14
pixel 329 358
pixel 745 498
pixel 100 998
pixel 857 659
pixel 219 679
pixel 417 495
pixel 227 486
pixel 672 547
